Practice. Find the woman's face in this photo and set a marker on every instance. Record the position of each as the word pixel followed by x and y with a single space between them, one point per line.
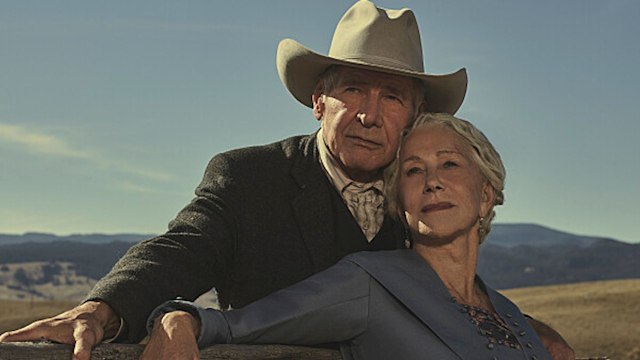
pixel 440 184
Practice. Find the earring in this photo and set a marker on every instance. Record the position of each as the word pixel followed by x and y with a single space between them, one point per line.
pixel 481 230
pixel 407 238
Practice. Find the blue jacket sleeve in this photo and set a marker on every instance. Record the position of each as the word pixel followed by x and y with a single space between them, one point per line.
pixel 331 306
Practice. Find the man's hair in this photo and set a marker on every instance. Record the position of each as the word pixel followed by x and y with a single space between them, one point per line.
pixel 330 79
pixel 484 155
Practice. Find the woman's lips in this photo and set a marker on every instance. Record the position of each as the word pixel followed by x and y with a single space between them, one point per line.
pixel 437 207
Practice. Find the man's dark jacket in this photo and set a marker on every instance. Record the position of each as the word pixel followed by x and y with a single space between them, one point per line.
pixel 262 219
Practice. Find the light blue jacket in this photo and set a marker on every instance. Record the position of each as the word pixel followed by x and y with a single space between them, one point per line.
pixel 377 305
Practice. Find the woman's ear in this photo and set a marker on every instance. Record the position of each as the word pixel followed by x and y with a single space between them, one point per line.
pixel 488 199
pixel 317 98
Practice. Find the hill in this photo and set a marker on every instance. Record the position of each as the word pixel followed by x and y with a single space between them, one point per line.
pixel 596 318
pixel 514 255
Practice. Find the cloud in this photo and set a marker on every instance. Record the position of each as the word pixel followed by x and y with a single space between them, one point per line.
pixel 39 143
pixel 49 145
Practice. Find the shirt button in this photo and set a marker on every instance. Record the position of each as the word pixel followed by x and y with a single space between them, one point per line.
pixel 522 333
pixel 533 357
pixel 530 345
pixel 490 346
pixel 509 315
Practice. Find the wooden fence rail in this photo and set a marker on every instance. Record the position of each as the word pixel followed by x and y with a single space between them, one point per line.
pixel 27 350
pixel 39 350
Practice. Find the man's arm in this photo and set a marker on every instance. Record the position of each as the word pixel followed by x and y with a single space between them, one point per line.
pixel 83 326
pixel 552 340
pixel 186 261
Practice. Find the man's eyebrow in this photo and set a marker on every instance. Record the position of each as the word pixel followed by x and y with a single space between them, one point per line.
pixel 396 88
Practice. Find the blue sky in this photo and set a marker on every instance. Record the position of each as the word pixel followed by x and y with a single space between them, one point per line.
pixel 110 110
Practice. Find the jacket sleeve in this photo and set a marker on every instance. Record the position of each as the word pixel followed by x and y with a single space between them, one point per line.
pixel 331 306
pixel 191 258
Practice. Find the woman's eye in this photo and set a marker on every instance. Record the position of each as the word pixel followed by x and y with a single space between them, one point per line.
pixel 449 164
pixel 413 171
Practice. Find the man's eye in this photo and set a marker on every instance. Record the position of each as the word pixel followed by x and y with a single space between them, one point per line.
pixel 352 89
pixel 394 98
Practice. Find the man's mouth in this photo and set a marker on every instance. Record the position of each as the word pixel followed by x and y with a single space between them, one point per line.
pixel 364 142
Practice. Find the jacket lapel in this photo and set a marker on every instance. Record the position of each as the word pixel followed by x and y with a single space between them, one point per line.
pixel 312 205
pixel 412 282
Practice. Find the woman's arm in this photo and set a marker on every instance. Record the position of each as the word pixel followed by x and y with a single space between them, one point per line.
pixel 331 306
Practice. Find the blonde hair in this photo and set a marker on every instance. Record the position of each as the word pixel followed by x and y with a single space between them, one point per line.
pixel 484 155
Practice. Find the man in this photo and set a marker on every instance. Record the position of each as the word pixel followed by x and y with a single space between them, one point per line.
pixel 267 217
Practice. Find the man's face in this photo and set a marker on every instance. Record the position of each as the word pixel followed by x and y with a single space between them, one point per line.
pixel 362 118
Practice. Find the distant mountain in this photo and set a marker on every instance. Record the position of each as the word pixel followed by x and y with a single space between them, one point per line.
pixel 90 260
pixel 510 235
pixel 82 238
pixel 514 255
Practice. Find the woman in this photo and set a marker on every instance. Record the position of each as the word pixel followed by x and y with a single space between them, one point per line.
pixel 426 302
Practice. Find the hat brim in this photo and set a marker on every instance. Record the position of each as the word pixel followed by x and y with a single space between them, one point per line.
pixel 299 69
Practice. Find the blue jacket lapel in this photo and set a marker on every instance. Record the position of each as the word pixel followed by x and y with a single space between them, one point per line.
pixel 412 282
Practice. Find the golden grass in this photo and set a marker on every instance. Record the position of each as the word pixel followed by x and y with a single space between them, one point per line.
pixel 16 314
pixel 596 318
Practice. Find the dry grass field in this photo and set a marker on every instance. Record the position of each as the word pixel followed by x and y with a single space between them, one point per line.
pixel 597 318
pixel 15 314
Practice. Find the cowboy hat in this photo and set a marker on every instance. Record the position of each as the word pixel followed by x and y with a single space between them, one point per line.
pixel 375 39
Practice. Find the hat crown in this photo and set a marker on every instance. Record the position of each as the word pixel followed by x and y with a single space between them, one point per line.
pixel 371 35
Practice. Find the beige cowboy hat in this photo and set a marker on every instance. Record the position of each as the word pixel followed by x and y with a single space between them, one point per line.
pixel 376 39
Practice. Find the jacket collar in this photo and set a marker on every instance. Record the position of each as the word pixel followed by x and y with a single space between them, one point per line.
pixel 312 204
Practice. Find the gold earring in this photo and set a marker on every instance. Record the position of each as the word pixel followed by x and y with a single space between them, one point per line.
pixel 482 230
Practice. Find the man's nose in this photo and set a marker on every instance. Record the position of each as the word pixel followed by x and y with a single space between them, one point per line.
pixel 369 114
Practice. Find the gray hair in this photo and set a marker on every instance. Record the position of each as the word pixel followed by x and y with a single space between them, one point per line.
pixel 330 79
pixel 484 155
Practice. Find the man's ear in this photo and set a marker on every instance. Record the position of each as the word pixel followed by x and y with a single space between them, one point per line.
pixel 422 108
pixel 318 101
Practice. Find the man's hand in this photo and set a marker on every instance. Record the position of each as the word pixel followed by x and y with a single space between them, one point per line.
pixel 83 326
pixel 552 341
pixel 174 336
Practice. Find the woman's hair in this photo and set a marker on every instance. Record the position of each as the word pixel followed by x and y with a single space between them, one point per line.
pixel 484 155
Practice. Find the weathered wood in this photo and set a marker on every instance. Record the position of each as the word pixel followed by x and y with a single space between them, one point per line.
pixel 27 350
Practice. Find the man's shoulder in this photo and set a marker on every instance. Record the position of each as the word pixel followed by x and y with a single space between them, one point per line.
pixel 286 148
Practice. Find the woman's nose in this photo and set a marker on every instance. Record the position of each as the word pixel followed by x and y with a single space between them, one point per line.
pixel 432 183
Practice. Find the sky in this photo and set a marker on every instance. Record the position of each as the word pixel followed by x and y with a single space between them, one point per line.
pixel 110 110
